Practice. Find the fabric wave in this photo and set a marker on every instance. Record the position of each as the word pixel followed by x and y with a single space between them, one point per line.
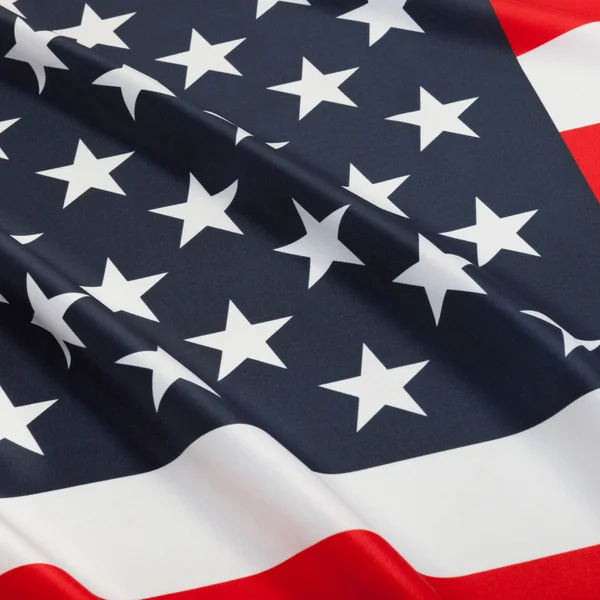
pixel 299 299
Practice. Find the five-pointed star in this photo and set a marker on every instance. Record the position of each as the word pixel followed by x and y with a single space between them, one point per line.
pixel 131 82
pixel 570 341
pixel 203 57
pixel 277 145
pixel 48 313
pixel 315 87
pixel 320 243
pixel 10 5
pixel 381 16
pixel 492 233
pixel 88 172
pixel 27 238
pixel 14 421
pixel 165 371
pixel 118 293
pixel 377 194
pixel 94 30
pixel 201 210
pixel 438 273
pixel 434 118
pixel 377 387
pixel 263 6
pixel 31 47
pixel 241 340
pixel 240 134
pixel 24 240
pixel 4 125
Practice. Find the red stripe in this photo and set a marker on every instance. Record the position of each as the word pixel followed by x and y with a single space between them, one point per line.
pixel 571 576
pixel 354 565
pixel 531 23
pixel 584 144
pixel 43 582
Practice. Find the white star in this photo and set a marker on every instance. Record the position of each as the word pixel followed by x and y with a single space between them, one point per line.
pixel 315 87
pixel 27 239
pixel 264 5
pixel 201 210
pixel 22 239
pixel 94 30
pixel 120 294
pixel 277 145
pixel 31 47
pixel 241 340
pixel 376 193
pixel 438 273
pixel 14 421
pixel 4 125
pixel 165 371
pixel 570 342
pixel 88 172
pixel 320 243
pixel 131 83
pixel 381 16
pixel 10 5
pixel 203 57
pixel 377 387
pixel 492 233
pixel 48 313
pixel 434 118
pixel 240 134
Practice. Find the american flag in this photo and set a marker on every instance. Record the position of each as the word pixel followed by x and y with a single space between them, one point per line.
pixel 299 299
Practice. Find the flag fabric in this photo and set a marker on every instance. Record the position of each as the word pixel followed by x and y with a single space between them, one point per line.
pixel 556 43
pixel 299 299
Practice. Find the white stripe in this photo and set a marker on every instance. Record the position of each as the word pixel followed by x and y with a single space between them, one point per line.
pixel 236 503
pixel 565 73
pixel 493 504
